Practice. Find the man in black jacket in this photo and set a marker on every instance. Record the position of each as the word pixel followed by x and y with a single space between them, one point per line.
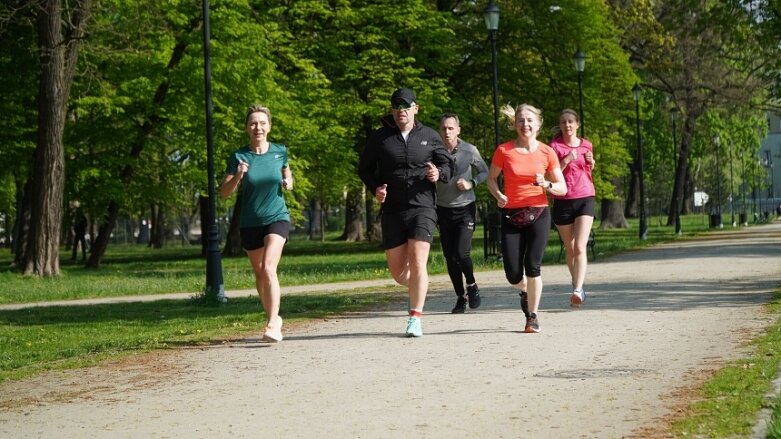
pixel 400 165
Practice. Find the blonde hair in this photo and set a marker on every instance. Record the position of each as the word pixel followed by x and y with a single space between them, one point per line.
pixel 512 113
pixel 257 109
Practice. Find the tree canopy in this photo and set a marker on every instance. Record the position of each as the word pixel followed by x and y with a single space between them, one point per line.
pixel 134 142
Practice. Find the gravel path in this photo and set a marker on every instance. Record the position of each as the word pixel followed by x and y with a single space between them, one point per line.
pixel 656 323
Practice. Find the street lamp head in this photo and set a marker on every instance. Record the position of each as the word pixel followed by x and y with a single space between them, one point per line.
pixel 580 61
pixel 636 90
pixel 674 112
pixel 491 16
pixel 717 139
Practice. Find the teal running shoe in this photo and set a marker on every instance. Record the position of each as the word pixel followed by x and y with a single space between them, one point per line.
pixel 414 327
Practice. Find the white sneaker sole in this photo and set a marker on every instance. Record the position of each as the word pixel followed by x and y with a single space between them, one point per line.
pixel 272 337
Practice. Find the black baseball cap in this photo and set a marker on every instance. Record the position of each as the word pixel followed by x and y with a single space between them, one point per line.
pixel 403 96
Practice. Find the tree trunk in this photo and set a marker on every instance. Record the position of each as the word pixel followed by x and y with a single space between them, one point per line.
pixel 612 215
pixel 144 230
pixel 159 228
pixel 359 204
pixel 688 193
pixel 612 210
pixel 22 224
pixel 233 240
pixel 678 201
pixel 183 225
pixel 315 219
pixel 100 243
pixel 42 257
pixel 353 216
pixel 203 211
pixel 678 188
pixel 631 208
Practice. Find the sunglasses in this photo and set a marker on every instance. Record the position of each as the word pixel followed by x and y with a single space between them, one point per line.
pixel 402 106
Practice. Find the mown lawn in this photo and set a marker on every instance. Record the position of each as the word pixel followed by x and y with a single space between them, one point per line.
pixel 130 270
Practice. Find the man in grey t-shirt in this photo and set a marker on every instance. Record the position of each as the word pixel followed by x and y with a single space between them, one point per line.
pixel 456 211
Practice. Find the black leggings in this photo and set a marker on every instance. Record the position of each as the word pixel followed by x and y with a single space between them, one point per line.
pixel 523 248
pixel 456 226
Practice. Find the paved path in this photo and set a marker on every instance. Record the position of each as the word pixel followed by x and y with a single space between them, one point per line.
pixel 656 322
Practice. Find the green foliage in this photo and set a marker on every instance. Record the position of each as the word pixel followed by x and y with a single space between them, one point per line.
pixel 703 57
pixel 538 41
pixel 18 59
pixel 365 50
pixel 136 126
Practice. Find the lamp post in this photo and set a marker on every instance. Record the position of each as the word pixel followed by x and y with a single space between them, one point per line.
pixel 755 178
pixel 491 235
pixel 643 232
pixel 215 290
pixel 676 202
pixel 716 215
pixel 580 66
pixel 491 16
pixel 755 191
pixel 743 188
pixel 731 189
pixel 767 163
pixel 771 193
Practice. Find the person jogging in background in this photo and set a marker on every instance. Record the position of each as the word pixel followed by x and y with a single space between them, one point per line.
pixel 573 213
pixel 456 211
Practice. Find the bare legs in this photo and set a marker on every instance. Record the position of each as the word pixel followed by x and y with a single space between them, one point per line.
pixel 575 239
pixel 264 263
pixel 407 264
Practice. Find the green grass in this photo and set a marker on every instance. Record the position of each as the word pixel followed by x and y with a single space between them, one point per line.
pixel 728 403
pixel 774 428
pixel 57 337
pixel 130 270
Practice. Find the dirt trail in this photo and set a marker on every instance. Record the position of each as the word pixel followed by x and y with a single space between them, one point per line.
pixel 655 323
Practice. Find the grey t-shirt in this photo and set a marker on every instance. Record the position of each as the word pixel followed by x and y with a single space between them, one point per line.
pixel 466 158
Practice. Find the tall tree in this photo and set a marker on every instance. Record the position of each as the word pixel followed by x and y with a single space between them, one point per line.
pixel 60 31
pixel 143 82
pixel 365 49
pixel 702 54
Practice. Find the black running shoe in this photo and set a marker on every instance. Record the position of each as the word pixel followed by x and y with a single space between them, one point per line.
pixel 532 325
pixel 474 296
pixel 460 306
pixel 524 303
